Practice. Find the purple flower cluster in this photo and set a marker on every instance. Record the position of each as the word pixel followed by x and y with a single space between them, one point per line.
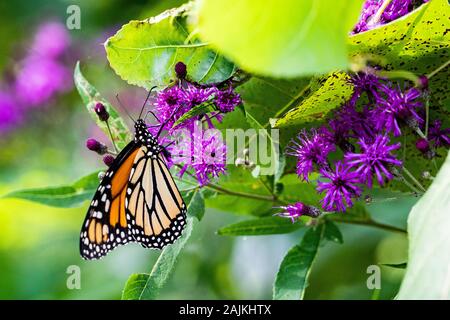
pixel 371 17
pixel 297 210
pixel 40 75
pixel 358 139
pixel 197 151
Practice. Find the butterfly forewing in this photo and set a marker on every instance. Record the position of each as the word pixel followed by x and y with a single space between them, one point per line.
pixel 156 212
pixel 105 225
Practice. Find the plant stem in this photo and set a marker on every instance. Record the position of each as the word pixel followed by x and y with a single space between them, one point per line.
pixel 411 176
pixel 371 223
pixel 427 115
pixel 441 67
pixel 241 194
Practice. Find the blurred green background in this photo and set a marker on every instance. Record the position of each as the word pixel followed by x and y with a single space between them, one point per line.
pixel 46 147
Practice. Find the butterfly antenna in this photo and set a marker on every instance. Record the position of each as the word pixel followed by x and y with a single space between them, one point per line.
pixel 123 108
pixel 167 121
pixel 146 99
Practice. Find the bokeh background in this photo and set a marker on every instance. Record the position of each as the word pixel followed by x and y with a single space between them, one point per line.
pixel 43 128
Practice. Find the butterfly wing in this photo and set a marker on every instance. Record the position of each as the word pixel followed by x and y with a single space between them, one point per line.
pixel 105 225
pixel 156 212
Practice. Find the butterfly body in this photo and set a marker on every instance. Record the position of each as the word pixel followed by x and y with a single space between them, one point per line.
pixel 136 201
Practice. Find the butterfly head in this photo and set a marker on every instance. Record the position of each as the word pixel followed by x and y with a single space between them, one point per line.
pixel 142 135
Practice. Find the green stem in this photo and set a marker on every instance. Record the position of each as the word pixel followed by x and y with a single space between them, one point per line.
pixel 427 115
pixel 112 139
pixel 441 67
pixel 371 223
pixel 411 176
pixel 241 194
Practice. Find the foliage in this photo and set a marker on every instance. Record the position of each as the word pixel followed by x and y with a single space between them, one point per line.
pixel 296 58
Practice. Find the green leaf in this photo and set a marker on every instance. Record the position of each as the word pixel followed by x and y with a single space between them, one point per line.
pixel 195 203
pixel 261 226
pixel 64 196
pixel 333 93
pixel 202 108
pixel 144 286
pixel 332 232
pixel 428 273
pixel 292 276
pixel 284 39
pixel 144 53
pixel 90 97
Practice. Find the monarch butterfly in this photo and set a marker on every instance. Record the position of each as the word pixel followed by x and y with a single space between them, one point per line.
pixel 137 200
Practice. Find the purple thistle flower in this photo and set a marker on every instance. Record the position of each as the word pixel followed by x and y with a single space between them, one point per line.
pixel 195 95
pixel 40 79
pixel 226 100
pixel 375 158
pixel 364 82
pixel 340 189
pixel 202 151
pixel 397 106
pixel 10 114
pixel 51 40
pixel 310 150
pixel 298 209
pixel 169 100
pixel 361 123
pixel 394 10
pixel 337 132
pixel 440 137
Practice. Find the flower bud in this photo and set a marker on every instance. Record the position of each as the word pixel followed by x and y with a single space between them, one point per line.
pixel 422 145
pixel 422 82
pixel 96 146
pixel 101 112
pixel 108 160
pixel 180 70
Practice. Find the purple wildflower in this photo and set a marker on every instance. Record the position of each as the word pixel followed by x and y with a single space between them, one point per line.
pixel 202 151
pixel 298 209
pixel 397 106
pixel 340 189
pixel 375 158
pixel 394 10
pixel 423 145
pixel 337 132
pixel 169 100
pixel 226 100
pixel 440 137
pixel 40 79
pixel 361 123
pixel 364 82
pixel 195 95
pixel 51 40
pixel 10 114
pixel 310 150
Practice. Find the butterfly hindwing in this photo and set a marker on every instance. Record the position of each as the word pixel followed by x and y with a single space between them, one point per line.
pixel 105 225
pixel 156 212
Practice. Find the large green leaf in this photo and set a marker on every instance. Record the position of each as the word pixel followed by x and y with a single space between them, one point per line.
pixel 145 52
pixel 292 277
pixel 282 39
pixel 428 271
pixel 64 196
pixel 418 42
pixel 144 286
pixel 334 91
pixel 261 226
pixel 195 203
pixel 90 97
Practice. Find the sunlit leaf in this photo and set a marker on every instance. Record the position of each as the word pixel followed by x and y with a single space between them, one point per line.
pixel 145 52
pixel 282 39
